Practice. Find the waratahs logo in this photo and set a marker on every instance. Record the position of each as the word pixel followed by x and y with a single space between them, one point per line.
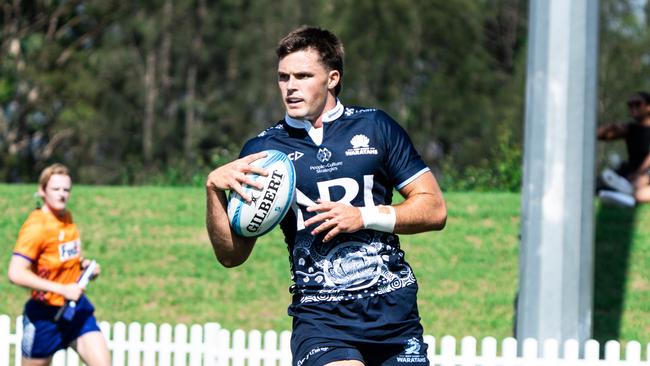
pixel 359 141
pixel 412 347
pixel 361 146
pixel 413 352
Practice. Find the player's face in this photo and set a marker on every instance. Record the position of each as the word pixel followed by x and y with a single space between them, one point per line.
pixel 56 193
pixel 304 83
pixel 637 108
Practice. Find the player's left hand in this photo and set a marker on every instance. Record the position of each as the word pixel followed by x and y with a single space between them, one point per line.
pixel 85 262
pixel 335 218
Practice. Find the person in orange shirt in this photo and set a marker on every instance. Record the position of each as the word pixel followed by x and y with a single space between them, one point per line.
pixel 47 259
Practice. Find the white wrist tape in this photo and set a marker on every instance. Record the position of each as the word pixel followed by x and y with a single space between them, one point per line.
pixel 376 220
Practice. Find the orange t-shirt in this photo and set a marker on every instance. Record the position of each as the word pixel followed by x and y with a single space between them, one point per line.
pixel 53 246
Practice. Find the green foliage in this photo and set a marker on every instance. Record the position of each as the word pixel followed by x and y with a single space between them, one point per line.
pixel 113 88
pixel 6 90
pixel 145 92
pixel 33 43
pixel 501 172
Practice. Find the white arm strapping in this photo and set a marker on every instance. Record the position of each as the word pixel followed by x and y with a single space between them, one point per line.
pixel 376 220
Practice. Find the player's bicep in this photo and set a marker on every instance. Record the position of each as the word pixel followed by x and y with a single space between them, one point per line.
pixel 18 264
pixel 424 184
pixel 424 205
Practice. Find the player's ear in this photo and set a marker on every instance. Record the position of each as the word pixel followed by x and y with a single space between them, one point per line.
pixel 38 198
pixel 333 79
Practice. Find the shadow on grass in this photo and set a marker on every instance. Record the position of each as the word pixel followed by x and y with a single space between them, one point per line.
pixel 613 241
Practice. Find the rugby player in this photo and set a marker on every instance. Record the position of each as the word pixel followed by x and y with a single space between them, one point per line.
pixel 354 294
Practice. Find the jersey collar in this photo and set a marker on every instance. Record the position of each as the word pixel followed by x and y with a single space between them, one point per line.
pixel 316 134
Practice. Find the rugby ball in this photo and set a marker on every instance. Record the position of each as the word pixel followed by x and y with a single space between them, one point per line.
pixel 269 205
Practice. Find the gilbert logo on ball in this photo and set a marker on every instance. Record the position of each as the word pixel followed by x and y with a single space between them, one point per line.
pixel 269 205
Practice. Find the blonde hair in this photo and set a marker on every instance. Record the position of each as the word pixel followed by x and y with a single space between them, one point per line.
pixel 51 170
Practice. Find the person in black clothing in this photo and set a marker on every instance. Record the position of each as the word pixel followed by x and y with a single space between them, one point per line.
pixel 632 177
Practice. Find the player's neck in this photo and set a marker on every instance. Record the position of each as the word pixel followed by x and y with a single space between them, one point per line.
pixel 645 121
pixel 58 213
pixel 325 115
pixel 331 111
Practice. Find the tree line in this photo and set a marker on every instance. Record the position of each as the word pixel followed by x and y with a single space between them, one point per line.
pixel 163 91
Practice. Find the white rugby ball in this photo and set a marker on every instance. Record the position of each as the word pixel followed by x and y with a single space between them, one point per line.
pixel 269 205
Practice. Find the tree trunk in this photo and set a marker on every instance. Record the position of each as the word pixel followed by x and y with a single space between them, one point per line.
pixel 190 120
pixel 151 96
pixel 191 124
pixel 165 47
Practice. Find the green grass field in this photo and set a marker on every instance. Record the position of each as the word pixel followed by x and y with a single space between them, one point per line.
pixel 158 265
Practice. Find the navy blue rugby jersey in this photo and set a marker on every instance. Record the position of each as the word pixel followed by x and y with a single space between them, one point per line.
pixel 358 157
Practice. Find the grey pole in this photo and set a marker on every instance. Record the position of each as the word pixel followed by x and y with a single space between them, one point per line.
pixel 557 216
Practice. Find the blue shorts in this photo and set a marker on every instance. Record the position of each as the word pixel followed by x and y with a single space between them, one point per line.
pixel 320 351
pixel 380 330
pixel 42 336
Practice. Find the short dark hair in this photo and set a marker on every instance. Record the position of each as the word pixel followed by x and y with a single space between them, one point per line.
pixel 328 46
pixel 638 98
pixel 643 95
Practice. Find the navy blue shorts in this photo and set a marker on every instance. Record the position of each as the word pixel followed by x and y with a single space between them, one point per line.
pixel 380 330
pixel 42 336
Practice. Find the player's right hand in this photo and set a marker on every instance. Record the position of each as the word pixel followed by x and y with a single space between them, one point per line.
pixel 334 218
pixel 72 291
pixel 233 176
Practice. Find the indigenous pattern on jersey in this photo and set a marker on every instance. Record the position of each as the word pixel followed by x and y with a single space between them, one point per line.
pixel 54 248
pixel 358 157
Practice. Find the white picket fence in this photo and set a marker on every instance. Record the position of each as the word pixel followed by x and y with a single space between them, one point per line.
pixel 209 344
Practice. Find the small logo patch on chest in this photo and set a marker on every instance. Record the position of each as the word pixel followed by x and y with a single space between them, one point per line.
pixel 361 146
pixel 324 155
pixel 69 250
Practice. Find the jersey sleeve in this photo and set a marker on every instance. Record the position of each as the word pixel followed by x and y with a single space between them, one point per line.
pixel 252 146
pixel 261 142
pixel 30 239
pixel 403 163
